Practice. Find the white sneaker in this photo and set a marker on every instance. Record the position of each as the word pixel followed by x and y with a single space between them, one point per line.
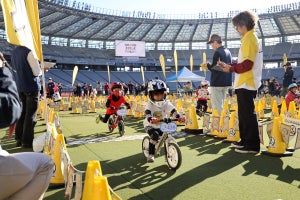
pixel 150 158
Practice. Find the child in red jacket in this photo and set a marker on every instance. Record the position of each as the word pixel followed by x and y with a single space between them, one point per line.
pixel 114 101
pixel 291 95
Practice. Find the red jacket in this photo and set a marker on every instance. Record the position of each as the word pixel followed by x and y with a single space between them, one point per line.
pixel 115 102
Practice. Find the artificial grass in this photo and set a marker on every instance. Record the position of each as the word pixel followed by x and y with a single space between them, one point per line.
pixel 210 168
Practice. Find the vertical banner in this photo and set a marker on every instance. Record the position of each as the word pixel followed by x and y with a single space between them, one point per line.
pixel 143 75
pixel 284 59
pixel 176 63
pixel 162 64
pixel 203 62
pixel 108 74
pixel 191 62
pixel 22 24
pixel 75 70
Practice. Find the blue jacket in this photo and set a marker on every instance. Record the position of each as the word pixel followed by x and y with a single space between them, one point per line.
pixel 25 79
pixel 219 78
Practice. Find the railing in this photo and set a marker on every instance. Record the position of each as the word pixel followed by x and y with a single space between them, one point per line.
pixel 153 15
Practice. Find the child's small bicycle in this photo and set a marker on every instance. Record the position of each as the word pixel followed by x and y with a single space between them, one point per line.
pixel 117 120
pixel 172 151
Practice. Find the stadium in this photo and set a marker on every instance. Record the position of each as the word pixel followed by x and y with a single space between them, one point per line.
pixel 94 162
pixel 76 33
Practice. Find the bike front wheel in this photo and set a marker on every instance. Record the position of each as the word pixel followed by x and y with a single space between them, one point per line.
pixel 110 124
pixel 173 156
pixel 121 127
pixel 145 146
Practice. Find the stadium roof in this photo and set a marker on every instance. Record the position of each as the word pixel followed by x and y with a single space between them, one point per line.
pixel 69 21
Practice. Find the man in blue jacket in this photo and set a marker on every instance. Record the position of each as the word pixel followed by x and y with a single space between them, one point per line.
pixel 220 81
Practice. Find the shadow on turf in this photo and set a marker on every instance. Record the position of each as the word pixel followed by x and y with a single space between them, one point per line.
pixel 140 177
pixel 133 171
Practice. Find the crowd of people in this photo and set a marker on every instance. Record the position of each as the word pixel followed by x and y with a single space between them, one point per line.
pixel 86 90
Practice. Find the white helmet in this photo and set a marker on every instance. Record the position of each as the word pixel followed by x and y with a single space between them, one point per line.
pixel 204 83
pixel 157 85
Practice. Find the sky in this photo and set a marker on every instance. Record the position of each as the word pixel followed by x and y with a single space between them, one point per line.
pixel 185 6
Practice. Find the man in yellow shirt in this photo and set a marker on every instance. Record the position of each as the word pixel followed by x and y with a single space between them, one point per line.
pixel 248 73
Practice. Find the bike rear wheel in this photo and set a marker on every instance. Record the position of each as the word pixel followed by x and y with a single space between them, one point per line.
pixel 145 146
pixel 174 156
pixel 121 127
pixel 110 124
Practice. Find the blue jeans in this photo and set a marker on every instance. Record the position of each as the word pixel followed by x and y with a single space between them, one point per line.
pixel 25 125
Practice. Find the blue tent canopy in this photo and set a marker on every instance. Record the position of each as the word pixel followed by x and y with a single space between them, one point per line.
pixel 185 75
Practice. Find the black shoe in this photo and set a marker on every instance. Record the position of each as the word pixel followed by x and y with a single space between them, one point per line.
pixel 246 150
pixel 237 145
pixel 18 143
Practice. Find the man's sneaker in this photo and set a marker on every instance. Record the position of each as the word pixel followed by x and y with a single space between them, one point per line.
pixel 237 145
pixel 150 158
pixel 246 150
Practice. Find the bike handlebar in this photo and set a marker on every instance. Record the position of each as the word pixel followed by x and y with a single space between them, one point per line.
pixel 166 120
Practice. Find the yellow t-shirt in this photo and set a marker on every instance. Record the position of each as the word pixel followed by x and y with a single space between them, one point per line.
pixel 250 50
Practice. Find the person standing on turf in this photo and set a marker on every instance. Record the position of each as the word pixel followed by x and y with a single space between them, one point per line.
pixel 248 73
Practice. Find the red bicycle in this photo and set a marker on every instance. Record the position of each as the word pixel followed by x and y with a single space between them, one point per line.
pixel 117 120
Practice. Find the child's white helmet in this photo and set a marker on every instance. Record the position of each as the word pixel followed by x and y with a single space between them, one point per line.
pixel 204 83
pixel 157 85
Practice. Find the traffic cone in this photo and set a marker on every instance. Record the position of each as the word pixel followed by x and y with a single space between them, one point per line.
pixel 93 169
pixel 261 112
pixel 192 122
pixel 292 110
pixel 276 147
pixel 215 124
pixel 233 132
pixel 101 189
pixel 74 108
pixel 224 125
pixel 226 107
pixel 275 112
pixel 58 178
pixel 93 107
pixel 179 105
pixel 283 109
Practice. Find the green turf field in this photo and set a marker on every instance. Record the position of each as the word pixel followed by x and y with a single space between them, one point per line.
pixel 210 168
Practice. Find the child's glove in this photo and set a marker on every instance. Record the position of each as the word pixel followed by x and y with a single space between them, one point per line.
pixel 152 120
pixel 181 119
